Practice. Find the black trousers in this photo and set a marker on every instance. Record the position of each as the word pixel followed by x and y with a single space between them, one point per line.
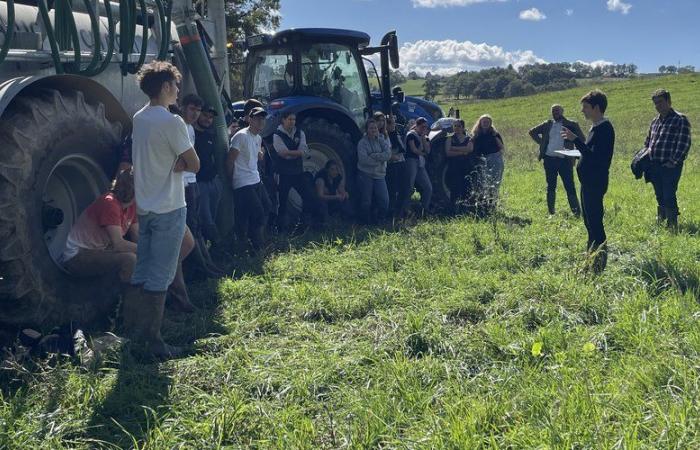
pixel 192 200
pixel 303 184
pixel 665 181
pixel 398 184
pixel 251 207
pixel 455 178
pixel 592 194
pixel 560 167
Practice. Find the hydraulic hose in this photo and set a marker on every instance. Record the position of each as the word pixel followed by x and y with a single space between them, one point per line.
pixel 10 31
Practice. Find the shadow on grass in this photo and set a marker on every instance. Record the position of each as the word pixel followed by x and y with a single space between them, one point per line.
pixel 137 403
pixel 691 228
pixel 662 276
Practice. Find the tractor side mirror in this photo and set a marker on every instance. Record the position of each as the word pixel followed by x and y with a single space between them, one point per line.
pixel 394 51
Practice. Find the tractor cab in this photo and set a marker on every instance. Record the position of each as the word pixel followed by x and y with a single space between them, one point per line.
pixel 309 65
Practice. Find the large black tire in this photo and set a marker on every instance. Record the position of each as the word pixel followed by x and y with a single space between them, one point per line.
pixel 57 151
pixel 327 140
pixel 437 167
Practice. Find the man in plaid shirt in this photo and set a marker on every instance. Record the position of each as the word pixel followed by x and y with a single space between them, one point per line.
pixel 668 142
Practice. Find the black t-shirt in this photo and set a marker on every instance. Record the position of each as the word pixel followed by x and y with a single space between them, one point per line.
pixel 205 145
pixel 413 137
pixel 331 184
pixel 486 144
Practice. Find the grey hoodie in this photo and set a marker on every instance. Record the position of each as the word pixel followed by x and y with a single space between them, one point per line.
pixel 372 155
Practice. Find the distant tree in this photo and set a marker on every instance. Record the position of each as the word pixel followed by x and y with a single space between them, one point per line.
pixel 431 88
pixel 671 69
pixel 662 69
pixel 412 75
pixel 686 69
pixel 428 75
pixel 397 78
pixel 484 89
pixel 515 88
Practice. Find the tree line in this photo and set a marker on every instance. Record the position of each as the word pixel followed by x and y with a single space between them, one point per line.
pixel 510 82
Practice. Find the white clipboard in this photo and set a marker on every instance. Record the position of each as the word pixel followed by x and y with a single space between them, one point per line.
pixel 569 153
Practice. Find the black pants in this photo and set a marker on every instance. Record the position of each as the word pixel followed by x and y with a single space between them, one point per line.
pixel 303 184
pixel 251 207
pixel 399 186
pixel 592 194
pixel 665 181
pixel 560 167
pixel 192 200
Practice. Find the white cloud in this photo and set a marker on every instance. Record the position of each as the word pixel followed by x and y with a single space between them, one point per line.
pixel 448 3
pixel 596 63
pixel 450 56
pixel 569 12
pixel 532 14
pixel 619 5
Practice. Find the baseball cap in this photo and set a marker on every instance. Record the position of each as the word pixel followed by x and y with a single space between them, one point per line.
pixel 209 108
pixel 421 121
pixel 257 112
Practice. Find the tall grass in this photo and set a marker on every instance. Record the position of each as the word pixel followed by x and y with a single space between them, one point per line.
pixel 447 334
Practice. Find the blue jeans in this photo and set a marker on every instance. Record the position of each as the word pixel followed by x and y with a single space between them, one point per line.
pixel 160 238
pixel 419 178
pixel 372 189
pixel 209 198
pixel 665 181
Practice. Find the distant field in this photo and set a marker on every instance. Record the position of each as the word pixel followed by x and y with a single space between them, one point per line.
pixel 446 334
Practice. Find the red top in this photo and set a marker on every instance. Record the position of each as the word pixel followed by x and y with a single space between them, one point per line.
pixel 89 230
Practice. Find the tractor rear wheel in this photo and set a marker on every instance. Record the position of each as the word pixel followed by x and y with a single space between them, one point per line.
pixel 57 157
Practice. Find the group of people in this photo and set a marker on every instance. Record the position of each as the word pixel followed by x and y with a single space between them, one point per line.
pixel 161 209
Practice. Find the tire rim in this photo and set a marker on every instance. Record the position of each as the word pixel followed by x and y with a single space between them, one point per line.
pixel 73 184
pixel 319 155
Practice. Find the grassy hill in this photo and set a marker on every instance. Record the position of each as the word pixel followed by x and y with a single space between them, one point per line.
pixel 447 334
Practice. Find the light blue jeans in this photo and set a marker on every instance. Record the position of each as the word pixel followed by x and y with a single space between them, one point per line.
pixel 419 178
pixel 493 175
pixel 373 191
pixel 158 249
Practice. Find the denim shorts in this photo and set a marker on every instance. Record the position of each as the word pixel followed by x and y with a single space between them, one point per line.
pixel 158 249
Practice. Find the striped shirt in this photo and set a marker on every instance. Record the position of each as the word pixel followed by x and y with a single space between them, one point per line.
pixel 669 138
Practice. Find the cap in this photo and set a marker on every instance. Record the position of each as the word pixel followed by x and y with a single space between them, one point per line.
pixel 421 121
pixel 257 112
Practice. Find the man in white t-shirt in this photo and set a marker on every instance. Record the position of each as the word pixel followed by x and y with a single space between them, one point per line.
pixel 251 202
pixel 161 151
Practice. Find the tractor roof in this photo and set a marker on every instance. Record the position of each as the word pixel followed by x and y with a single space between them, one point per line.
pixel 355 38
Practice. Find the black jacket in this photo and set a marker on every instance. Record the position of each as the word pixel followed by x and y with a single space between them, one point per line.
pixel 596 154
pixel 540 134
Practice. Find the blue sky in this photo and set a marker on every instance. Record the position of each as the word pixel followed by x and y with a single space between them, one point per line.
pixel 450 35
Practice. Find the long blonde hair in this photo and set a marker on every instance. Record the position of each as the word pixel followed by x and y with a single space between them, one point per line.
pixel 477 130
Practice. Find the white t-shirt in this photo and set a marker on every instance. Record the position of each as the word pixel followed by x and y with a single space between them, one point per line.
pixel 190 177
pixel 159 138
pixel 556 142
pixel 245 170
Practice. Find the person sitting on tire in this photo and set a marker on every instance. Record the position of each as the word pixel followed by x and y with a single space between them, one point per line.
pixel 330 189
pixel 161 152
pixel 372 156
pixel 290 149
pixel 418 148
pixel 458 149
pixel 96 244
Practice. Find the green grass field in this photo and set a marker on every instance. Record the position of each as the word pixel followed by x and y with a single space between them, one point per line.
pixel 453 334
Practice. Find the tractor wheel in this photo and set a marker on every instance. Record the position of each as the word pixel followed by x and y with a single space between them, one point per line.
pixel 326 141
pixel 437 168
pixel 57 157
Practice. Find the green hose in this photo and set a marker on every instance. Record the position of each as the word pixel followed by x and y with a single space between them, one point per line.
pixel 66 33
pixel 10 31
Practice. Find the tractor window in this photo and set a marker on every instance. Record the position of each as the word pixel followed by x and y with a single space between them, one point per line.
pixel 331 71
pixel 273 74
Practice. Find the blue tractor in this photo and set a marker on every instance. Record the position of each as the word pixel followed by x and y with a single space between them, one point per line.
pixel 320 75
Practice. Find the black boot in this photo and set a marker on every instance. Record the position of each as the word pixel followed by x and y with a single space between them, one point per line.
pixel 672 219
pixel 660 215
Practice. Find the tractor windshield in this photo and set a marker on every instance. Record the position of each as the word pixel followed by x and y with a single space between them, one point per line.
pixel 273 74
pixel 332 71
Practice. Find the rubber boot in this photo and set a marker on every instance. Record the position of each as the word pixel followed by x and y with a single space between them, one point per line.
pixel 143 316
pixel 178 298
pixel 672 219
pixel 660 214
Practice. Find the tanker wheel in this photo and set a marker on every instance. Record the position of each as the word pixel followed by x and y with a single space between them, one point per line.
pixel 326 141
pixel 57 157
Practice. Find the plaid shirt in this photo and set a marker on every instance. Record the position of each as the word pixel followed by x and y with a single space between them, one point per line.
pixel 669 138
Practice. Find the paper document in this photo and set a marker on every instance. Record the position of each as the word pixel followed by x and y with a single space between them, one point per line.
pixel 570 153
